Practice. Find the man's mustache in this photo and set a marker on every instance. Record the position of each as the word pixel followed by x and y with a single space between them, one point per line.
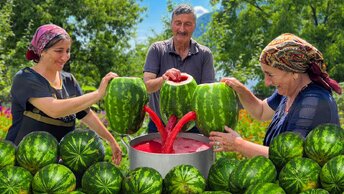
pixel 182 33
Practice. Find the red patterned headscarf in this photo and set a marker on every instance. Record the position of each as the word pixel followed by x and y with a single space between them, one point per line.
pixel 43 35
pixel 290 53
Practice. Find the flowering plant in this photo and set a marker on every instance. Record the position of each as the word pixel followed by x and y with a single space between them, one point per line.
pixel 5 121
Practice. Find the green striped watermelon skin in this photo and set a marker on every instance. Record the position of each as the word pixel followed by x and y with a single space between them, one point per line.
pixel 7 153
pixel 176 97
pixel 284 147
pixel 215 105
pixel 332 175
pixel 54 178
pixel 36 150
pixel 124 102
pixel 264 188
pixel 14 180
pixel 79 149
pixel 218 176
pixel 184 179
pixel 299 174
pixel 143 180
pixel 102 178
pixel 216 192
pixel 324 142
pixel 315 191
pixel 251 171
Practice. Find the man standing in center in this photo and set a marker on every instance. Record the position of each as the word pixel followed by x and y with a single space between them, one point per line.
pixel 169 58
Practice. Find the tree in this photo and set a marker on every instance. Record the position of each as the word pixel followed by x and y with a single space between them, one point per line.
pixel 101 31
pixel 240 29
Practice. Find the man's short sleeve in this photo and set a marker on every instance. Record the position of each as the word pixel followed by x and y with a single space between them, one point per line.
pixel 152 60
pixel 26 85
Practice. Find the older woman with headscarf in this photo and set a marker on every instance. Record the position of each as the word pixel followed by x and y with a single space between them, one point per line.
pixel 302 100
pixel 46 98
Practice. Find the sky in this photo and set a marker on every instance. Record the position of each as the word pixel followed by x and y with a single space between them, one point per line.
pixel 157 10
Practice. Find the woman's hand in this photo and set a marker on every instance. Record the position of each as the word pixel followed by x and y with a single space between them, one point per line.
pixel 116 153
pixel 224 141
pixel 104 83
pixel 172 74
pixel 235 84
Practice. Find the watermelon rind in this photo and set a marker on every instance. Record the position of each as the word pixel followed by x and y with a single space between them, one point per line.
pixel 284 147
pixel 332 175
pixel 7 153
pixel 176 98
pixel 54 178
pixel 315 191
pixel 299 174
pixel 218 176
pixel 263 188
pixel 36 150
pixel 15 179
pixel 81 148
pixel 184 179
pixel 124 101
pixel 251 171
pixel 216 106
pixel 143 180
pixel 102 178
pixel 324 142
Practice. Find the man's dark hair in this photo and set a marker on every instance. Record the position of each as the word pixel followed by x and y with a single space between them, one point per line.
pixel 183 9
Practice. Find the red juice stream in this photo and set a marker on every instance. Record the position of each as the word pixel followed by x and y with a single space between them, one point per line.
pixel 155 118
pixel 168 145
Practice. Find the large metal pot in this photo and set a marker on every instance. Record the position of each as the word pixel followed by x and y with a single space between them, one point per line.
pixel 163 163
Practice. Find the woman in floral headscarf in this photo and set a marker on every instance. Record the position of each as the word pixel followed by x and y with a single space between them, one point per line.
pixel 45 98
pixel 302 100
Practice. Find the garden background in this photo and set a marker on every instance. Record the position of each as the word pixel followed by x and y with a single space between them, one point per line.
pixel 235 30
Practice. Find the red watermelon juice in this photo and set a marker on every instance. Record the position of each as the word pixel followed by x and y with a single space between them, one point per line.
pixel 169 142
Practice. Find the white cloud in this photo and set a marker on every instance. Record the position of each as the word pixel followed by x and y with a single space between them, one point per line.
pixel 199 10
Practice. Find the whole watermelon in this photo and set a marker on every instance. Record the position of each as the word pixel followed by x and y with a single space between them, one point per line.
pixel 251 171
pixel 284 147
pixel 176 97
pixel 315 191
pixel 216 192
pixel 143 180
pixel 324 142
pixel 184 179
pixel 54 178
pixel 218 176
pixel 299 174
pixel 102 178
pixel 15 179
pixel 124 102
pixel 263 188
pixel 79 149
pixel 215 105
pixel 7 153
pixel 332 175
pixel 36 150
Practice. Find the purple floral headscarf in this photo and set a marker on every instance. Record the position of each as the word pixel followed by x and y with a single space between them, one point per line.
pixel 43 35
pixel 293 54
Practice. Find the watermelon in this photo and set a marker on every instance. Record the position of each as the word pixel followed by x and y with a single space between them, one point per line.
pixel 218 176
pixel 184 179
pixel 54 178
pixel 15 179
pixel 284 147
pixel 263 188
pixel 216 192
pixel 324 142
pixel 124 102
pixel 216 105
pixel 36 150
pixel 76 192
pixel 143 180
pixel 176 97
pixel 7 153
pixel 251 171
pixel 299 174
pixel 102 178
pixel 315 191
pixel 332 175
pixel 79 149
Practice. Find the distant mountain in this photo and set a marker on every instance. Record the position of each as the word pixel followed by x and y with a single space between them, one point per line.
pixel 201 24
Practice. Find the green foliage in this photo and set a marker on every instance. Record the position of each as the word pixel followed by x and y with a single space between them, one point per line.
pixel 240 29
pixel 340 103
